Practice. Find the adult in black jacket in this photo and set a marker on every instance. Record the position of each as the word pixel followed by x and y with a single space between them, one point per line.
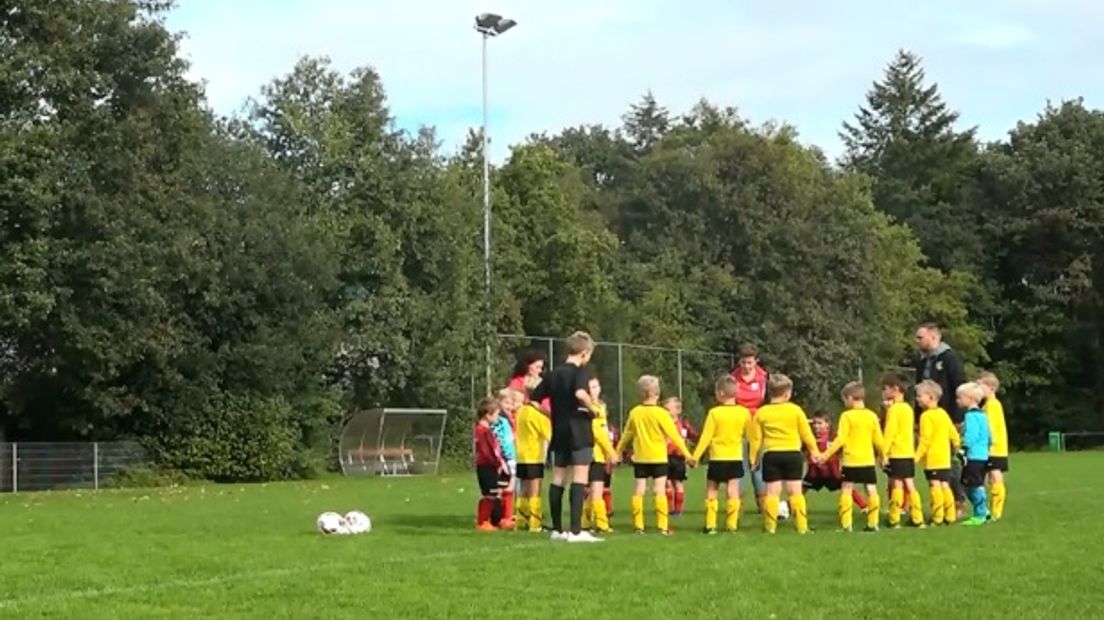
pixel 942 364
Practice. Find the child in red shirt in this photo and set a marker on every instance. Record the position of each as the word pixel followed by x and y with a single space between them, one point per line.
pixel 826 475
pixel 676 465
pixel 489 466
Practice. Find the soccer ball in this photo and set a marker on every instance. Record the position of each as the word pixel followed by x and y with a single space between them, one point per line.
pixel 783 511
pixel 358 522
pixel 331 523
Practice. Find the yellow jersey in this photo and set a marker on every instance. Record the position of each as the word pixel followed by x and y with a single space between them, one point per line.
pixel 603 449
pixel 998 432
pixel 900 429
pixel 726 427
pixel 534 429
pixel 860 436
pixel 648 429
pixel 783 427
pixel 937 435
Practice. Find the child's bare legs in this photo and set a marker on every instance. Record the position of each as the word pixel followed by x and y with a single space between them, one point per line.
pixel 770 506
pixel 846 506
pixel 873 508
pixel 798 510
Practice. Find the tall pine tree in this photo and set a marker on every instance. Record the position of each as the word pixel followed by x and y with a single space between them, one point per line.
pixel 923 168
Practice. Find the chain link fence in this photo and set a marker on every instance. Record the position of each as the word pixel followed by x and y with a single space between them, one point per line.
pixel 686 373
pixel 39 466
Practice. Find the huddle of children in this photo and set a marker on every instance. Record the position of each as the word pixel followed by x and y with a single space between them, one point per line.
pixel 782 442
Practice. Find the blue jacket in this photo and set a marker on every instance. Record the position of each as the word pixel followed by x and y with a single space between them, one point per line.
pixel 505 436
pixel 976 436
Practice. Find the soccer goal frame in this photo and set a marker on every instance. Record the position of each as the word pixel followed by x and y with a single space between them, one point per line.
pixel 392 442
pixel 1058 441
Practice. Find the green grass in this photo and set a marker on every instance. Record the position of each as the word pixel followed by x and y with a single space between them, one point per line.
pixel 250 551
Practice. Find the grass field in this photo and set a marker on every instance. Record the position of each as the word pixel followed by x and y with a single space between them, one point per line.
pixel 250 551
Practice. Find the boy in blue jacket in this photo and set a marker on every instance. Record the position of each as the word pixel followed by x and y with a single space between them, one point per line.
pixel 975 443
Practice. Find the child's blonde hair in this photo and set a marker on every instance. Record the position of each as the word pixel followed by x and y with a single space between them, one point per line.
pixel 531 384
pixel 725 386
pixel 648 385
pixel 509 394
pixel 972 391
pixel 778 385
pixel 853 391
pixel 931 388
pixel 579 343
pixel 989 380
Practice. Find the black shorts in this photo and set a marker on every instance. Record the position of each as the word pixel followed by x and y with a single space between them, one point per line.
pixel 597 472
pixel 816 484
pixel 570 458
pixel 488 476
pixel 723 471
pixel 938 475
pixel 530 471
pixel 860 475
pixel 899 469
pixel 973 474
pixel 649 470
pixel 998 463
pixel 778 466
pixel 676 468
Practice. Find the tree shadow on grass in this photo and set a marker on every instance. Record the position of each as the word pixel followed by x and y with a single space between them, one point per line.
pixel 431 522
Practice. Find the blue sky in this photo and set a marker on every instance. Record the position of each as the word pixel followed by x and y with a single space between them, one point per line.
pixel 569 62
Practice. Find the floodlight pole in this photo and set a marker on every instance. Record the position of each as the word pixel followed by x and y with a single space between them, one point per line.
pixel 488 25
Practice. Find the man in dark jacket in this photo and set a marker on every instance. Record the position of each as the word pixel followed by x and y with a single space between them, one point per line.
pixel 942 364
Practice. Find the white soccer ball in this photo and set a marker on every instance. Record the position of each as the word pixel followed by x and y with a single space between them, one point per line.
pixel 358 522
pixel 331 523
pixel 783 511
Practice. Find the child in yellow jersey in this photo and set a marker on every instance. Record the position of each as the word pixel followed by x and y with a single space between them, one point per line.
pixel 937 435
pixel 901 451
pixel 534 431
pixel 998 448
pixel 860 437
pixel 727 425
pixel 647 430
pixel 594 511
pixel 783 429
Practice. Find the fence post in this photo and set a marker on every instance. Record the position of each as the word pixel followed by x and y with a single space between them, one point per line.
pixel 96 465
pixel 551 353
pixel 15 467
pixel 678 355
pixel 620 389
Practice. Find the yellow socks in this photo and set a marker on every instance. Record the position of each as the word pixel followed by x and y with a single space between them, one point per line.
pixel 874 511
pixel 770 514
pixel 949 515
pixel 601 519
pixel 846 504
pixel 916 510
pixel 896 506
pixel 800 513
pixel 521 512
pixel 732 513
pixel 661 512
pixel 588 513
pixel 638 512
pixel 535 516
pixel 936 493
pixel 998 495
pixel 711 506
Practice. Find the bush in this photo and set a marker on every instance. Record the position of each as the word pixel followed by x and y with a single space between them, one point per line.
pixel 235 437
pixel 145 477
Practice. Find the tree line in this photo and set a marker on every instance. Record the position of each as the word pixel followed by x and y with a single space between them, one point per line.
pixel 226 289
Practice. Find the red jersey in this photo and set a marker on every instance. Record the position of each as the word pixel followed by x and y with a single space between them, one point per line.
pixel 828 469
pixel 753 392
pixel 485 450
pixel 686 430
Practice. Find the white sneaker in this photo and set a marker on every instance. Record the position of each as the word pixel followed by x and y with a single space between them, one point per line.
pixel 584 537
pixel 559 536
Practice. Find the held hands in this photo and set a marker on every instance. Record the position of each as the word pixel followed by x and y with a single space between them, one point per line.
pixel 614 458
pixel 692 462
pixel 819 458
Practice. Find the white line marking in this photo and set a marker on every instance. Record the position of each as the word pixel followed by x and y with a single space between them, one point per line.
pixel 86 593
